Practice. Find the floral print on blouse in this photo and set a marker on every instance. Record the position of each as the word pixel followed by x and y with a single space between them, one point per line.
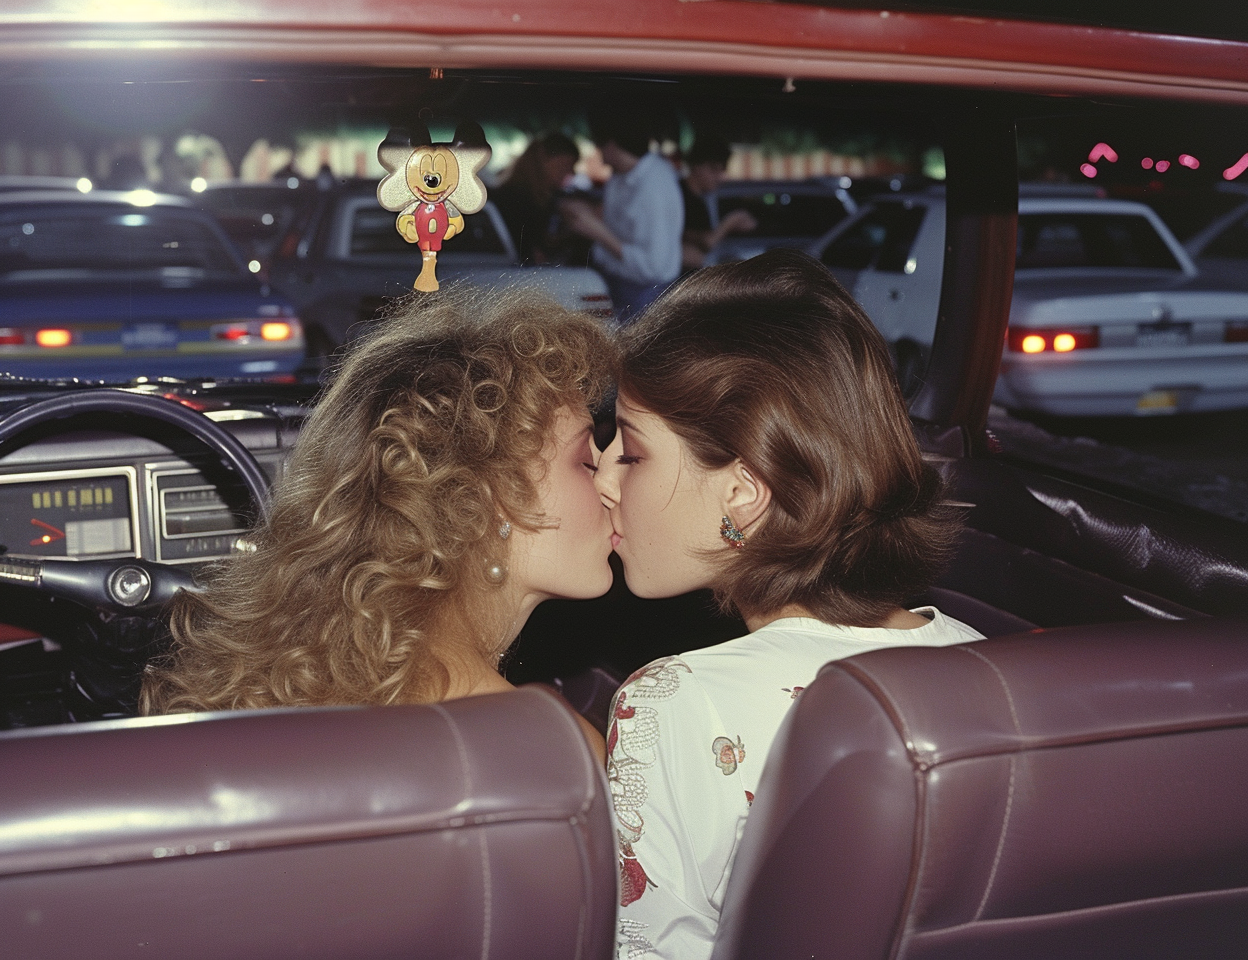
pixel 686 745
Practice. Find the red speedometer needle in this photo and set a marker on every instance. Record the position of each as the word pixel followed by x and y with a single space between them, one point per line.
pixel 52 533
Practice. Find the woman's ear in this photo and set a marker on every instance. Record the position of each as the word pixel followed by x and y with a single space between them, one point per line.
pixel 747 497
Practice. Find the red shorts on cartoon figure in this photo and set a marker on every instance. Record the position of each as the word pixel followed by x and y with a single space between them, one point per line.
pixel 431 225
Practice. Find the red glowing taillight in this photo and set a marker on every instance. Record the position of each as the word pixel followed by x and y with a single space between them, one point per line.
pixel 11 338
pixel 244 331
pixel 1062 340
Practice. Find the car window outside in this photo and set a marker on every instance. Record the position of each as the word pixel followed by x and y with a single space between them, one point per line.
pixel 1232 242
pixel 882 238
pixel 786 213
pixel 98 242
pixel 1090 240
pixel 373 233
pixel 898 242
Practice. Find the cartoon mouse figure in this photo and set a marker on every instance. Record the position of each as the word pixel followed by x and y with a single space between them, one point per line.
pixel 422 179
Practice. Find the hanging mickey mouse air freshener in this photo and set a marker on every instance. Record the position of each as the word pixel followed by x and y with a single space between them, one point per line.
pixel 432 186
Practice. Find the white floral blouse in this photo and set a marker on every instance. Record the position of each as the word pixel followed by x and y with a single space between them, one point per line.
pixel 685 748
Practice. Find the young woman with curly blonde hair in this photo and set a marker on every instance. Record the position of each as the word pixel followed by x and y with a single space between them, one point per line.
pixel 439 491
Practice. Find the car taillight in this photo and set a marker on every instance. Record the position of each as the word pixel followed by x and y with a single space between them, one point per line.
pixel 11 338
pixel 1236 331
pixel 1062 340
pixel 53 337
pixel 276 330
pixel 244 331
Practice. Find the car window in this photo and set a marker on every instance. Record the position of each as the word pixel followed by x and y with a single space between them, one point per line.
pixel 1231 242
pixel 882 238
pixel 1090 240
pixel 255 218
pixel 77 241
pixel 373 234
pixel 787 213
pixel 899 240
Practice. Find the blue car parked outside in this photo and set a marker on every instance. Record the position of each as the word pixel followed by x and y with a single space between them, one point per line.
pixel 119 285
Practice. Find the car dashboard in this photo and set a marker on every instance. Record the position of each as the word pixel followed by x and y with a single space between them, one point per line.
pixel 99 494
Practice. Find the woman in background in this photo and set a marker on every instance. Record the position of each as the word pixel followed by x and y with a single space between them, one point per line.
pixel 526 199
pixel 762 450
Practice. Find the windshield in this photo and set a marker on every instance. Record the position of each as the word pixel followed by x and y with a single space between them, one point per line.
pixel 224 223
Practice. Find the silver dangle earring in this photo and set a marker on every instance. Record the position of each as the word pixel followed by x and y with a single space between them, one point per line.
pixel 732 536
pixel 496 570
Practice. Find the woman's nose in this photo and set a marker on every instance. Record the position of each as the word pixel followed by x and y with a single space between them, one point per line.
pixel 607 478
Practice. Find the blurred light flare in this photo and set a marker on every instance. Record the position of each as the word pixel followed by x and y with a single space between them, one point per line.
pixel 84 185
pixel 199 184
pixel 1233 171
pixel 1088 170
pixel 53 337
pixel 1103 150
pixel 1033 343
pixel 1064 343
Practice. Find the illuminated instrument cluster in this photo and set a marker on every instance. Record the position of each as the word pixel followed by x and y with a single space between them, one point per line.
pixel 69 515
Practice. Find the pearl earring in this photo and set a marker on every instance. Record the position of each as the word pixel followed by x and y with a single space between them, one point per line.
pixel 495 572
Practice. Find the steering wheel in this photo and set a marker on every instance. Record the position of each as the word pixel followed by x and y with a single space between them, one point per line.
pixel 123 586
pixel 102 678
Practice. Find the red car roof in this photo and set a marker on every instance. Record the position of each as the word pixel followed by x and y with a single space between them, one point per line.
pixel 737 36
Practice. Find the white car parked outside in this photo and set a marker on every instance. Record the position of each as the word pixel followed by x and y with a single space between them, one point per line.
pixel 1109 315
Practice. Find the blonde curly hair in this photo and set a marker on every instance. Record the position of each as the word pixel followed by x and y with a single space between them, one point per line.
pixel 368 583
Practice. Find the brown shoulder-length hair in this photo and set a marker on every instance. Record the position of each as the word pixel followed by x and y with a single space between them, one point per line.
pixel 771 362
pixel 367 584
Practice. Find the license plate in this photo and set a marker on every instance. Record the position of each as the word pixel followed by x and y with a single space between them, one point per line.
pixel 150 336
pixel 1170 335
pixel 1158 401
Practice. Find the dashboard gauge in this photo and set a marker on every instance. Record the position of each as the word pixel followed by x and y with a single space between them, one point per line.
pixel 69 514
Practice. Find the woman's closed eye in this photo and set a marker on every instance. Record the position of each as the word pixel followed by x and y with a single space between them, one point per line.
pixel 590 467
pixel 626 460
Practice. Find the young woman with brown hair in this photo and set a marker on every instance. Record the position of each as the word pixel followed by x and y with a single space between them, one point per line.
pixel 763 450
pixel 439 491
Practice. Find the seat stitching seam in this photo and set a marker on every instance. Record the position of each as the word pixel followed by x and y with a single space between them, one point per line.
pixel 466 773
pixel 1009 797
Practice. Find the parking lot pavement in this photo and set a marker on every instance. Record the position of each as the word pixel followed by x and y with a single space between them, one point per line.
pixel 1199 462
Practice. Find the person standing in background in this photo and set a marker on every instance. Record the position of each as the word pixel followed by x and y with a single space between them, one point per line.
pixel 526 199
pixel 637 235
pixel 707 162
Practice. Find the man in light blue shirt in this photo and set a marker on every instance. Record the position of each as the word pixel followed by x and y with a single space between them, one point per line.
pixel 637 237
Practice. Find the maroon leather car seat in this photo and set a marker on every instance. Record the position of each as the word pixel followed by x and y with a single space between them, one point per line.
pixel 1074 793
pixel 478 828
